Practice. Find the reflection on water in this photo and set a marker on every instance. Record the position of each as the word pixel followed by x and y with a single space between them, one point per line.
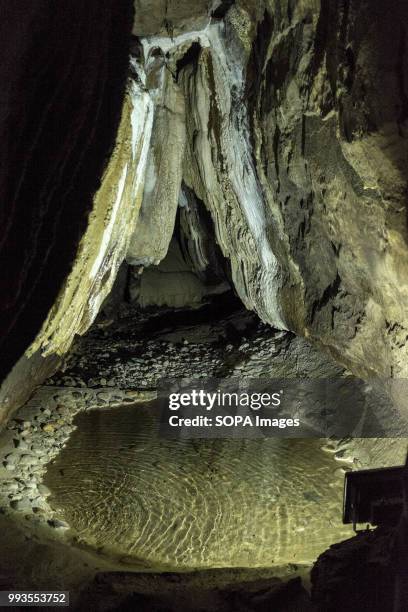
pixel 195 503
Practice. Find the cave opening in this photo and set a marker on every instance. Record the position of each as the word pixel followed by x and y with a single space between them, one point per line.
pixel 194 269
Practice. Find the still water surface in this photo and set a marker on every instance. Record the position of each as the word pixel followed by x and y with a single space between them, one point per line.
pixel 195 503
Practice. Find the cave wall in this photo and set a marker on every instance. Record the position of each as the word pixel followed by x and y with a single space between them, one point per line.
pixel 62 79
pixel 170 17
pixel 154 227
pixel 327 87
pixel 297 144
pixel 288 121
pixel 104 245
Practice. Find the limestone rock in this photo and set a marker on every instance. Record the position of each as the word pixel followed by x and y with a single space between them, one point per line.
pixel 288 122
pixel 154 227
pixel 219 167
pixel 105 243
pixel 327 96
pixel 197 240
pixel 167 17
pixel 303 169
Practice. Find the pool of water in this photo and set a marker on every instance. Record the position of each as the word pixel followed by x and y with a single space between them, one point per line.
pixel 128 491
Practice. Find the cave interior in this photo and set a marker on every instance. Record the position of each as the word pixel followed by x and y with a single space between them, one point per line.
pixel 216 191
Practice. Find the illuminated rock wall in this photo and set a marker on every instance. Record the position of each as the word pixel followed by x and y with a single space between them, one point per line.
pixel 296 116
pixel 106 240
pixel 327 90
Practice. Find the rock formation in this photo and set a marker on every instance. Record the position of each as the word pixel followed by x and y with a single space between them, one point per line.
pixel 154 227
pixel 287 121
pixel 293 117
pixel 329 118
pixel 107 237
pixel 62 82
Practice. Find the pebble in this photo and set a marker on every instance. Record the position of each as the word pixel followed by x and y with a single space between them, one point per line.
pixel 15 496
pixel 103 395
pixel 342 456
pixel 27 459
pixel 37 468
pixel 20 504
pixel 58 524
pixel 13 458
pixel 12 486
pixel 30 486
pixel 44 490
pixel 20 444
pixel 39 511
pixel 328 448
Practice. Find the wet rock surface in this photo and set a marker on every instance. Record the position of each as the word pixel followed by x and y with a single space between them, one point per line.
pixel 328 116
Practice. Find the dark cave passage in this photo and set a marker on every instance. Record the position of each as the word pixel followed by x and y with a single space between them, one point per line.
pixel 192 272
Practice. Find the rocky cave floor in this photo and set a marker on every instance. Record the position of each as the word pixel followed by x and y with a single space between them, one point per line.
pixel 118 512
pixel 219 340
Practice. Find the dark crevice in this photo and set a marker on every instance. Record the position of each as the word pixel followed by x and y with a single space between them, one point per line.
pixel 254 72
pixel 222 9
pixel 276 141
pixel 403 114
pixel 221 305
pixel 221 265
pixel 214 117
pixel 303 135
pixel 351 68
pixel 256 61
pixel 190 57
pixel 328 294
pixel 344 24
pixel 326 18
